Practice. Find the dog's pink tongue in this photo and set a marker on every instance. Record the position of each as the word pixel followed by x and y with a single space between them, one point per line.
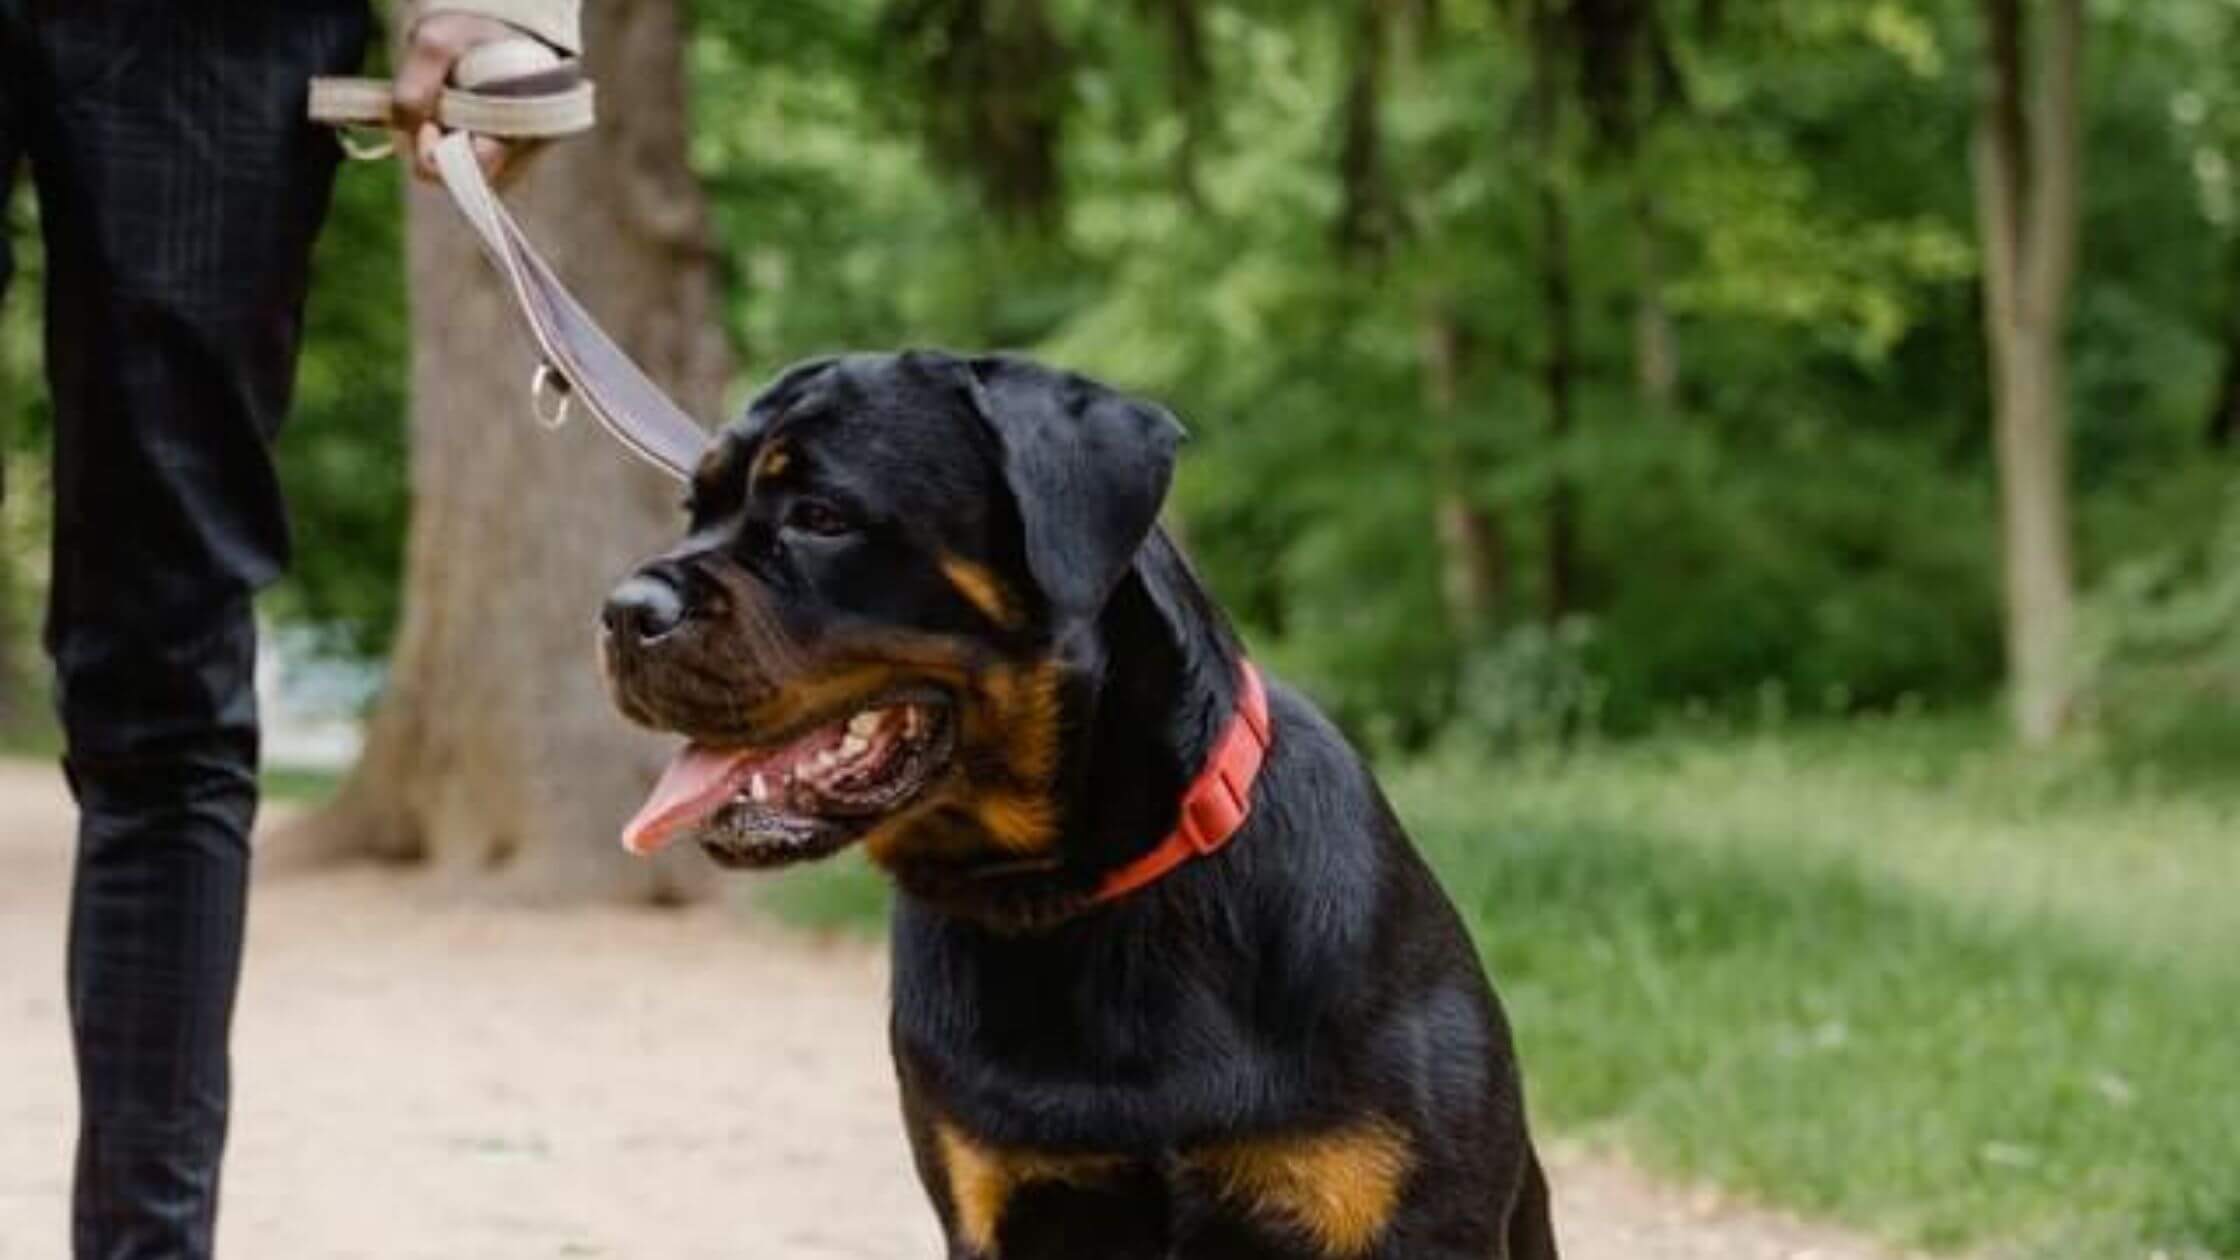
pixel 696 784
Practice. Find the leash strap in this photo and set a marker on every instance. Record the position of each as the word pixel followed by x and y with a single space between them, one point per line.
pixel 579 361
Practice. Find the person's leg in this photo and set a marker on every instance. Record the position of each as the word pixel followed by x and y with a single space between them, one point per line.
pixel 180 192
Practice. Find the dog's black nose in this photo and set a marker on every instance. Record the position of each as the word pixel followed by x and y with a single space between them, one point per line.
pixel 644 607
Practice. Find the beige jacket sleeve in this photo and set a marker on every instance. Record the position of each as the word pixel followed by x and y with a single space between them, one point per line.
pixel 556 22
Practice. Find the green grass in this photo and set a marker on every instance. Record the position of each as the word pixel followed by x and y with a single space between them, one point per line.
pixel 1888 974
pixel 1882 975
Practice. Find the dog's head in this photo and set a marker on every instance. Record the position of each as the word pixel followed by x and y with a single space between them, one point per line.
pixel 862 636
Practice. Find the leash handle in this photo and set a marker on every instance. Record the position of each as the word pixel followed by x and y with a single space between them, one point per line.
pixel 514 89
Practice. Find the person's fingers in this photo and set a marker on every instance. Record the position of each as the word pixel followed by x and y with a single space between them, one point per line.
pixel 495 156
pixel 500 160
pixel 424 151
pixel 428 58
pixel 431 54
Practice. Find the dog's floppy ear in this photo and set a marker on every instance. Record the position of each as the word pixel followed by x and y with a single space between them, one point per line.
pixel 1088 467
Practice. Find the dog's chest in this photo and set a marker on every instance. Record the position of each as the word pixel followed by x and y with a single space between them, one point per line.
pixel 1095 1013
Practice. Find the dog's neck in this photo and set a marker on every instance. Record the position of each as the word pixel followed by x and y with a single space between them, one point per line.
pixel 1150 685
pixel 1153 703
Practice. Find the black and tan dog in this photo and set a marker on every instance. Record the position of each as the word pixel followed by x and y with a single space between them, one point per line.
pixel 1169 980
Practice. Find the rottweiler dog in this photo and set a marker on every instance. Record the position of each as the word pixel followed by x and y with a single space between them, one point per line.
pixel 1169 980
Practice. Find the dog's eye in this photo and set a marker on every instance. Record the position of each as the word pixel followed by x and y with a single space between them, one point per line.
pixel 814 516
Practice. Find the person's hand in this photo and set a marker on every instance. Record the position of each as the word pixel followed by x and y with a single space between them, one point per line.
pixel 433 49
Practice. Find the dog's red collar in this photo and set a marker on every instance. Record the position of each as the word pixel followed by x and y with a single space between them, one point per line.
pixel 1218 800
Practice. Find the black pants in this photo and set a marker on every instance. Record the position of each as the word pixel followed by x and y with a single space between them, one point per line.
pixel 179 192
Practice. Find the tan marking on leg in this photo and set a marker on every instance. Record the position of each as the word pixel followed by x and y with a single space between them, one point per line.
pixel 982 1181
pixel 978 1189
pixel 1337 1188
pixel 981 589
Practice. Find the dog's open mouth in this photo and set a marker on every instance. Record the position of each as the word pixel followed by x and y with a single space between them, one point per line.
pixel 757 806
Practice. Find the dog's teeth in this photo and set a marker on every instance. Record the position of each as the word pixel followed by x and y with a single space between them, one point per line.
pixel 864 723
pixel 854 745
pixel 759 790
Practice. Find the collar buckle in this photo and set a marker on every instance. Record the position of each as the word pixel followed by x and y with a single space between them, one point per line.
pixel 1218 802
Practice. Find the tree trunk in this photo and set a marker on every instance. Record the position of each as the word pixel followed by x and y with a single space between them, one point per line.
pixel 2223 429
pixel 1656 353
pixel 1471 560
pixel 2027 162
pixel 494 754
pixel 2224 414
pixel 1560 361
pixel 1368 224
pixel 1189 88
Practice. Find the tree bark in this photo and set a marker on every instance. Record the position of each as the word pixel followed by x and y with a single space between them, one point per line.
pixel 1558 365
pixel 2027 160
pixel 1189 88
pixel 1368 224
pixel 1472 559
pixel 2223 429
pixel 494 755
pixel 1656 351
pixel 2224 413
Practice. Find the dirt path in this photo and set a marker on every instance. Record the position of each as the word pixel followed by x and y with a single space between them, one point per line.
pixel 466 1083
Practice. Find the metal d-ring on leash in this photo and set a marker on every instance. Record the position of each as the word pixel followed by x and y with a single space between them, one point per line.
pixel 545 383
pixel 578 361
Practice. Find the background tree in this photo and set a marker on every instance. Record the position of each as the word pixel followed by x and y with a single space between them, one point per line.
pixel 2027 158
pixel 1387 218
pixel 493 753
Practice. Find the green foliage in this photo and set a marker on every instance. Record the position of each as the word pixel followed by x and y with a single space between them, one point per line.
pixel 2163 655
pixel 1529 691
pixel 25 421
pixel 343 459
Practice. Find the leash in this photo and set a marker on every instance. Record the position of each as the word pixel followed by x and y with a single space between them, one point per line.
pixel 521 90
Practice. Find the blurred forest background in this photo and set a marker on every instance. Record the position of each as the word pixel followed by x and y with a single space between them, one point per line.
pixel 1763 475
pixel 1552 363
